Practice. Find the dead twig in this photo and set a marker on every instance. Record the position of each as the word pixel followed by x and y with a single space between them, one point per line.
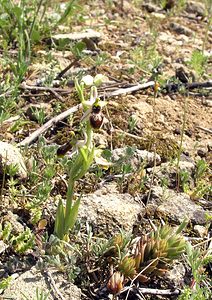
pixel 53 284
pixel 205 129
pixel 175 87
pixel 62 73
pixel 129 134
pixel 25 86
pixel 158 292
pixel 11 120
pixel 65 114
pixel 47 125
pixel 128 90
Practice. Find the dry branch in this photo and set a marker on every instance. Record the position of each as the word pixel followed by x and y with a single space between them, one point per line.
pixel 131 89
pixel 175 87
pixel 158 292
pixel 205 129
pixel 25 86
pixel 47 125
pixel 65 114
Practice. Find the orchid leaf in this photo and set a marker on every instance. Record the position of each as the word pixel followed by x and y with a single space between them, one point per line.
pixel 59 220
pixel 72 216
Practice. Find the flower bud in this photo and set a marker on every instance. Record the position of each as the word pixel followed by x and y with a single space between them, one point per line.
pixel 88 80
pixel 99 79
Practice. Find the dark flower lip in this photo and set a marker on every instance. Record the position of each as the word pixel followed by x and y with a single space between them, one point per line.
pixel 61 151
pixel 96 120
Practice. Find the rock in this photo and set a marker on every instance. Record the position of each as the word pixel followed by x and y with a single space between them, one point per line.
pixel 175 206
pixel 12 218
pixel 196 8
pixel 27 284
pixel 9 156
pixel 158 15
pixel 150 7
pixel 168 171
pixel 182 74
pixel 33 108
pixel 202 152
pixel 76 36
pixel 177 275
pixel 136 158
pixel 180 29
pixel 201 231
pixel 3 247
pixel 100 140
pixel 108 210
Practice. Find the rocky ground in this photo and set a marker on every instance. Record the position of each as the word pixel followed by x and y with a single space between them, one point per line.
pixel 157 142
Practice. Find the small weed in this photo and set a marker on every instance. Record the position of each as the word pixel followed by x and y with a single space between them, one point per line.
pixel 133 120
pixel 40 295
pixel 198 62
pixel 145 58
pixel 184 180
pixel 39 115
pixel 5 283
pixel 199 288
pixel 21 242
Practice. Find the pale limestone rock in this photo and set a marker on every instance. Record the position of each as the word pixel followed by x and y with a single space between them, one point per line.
pixel 10 155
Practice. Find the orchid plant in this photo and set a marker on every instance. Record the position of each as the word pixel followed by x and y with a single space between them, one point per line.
pixel 82 154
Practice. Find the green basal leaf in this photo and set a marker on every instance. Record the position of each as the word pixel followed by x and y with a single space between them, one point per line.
pixel 182 226
pixel 59 220
pixel 72 217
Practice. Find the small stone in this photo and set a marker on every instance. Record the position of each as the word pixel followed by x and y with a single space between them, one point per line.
pixel 188 132
pixel 29 282
pixel 196 8
pixel 182 74
pixel 150 7
pixel 10 155
pixel 180 29
pixel 207 102
pixel 175 206
pixel 108 210
pixel 177 131
pixel 136 158
pixel 202 152
pixel 159 15
pixel 185 165
pixel 12 218
pixel 76 36
pixel 177 274
pixel 201 231
pixel 209 145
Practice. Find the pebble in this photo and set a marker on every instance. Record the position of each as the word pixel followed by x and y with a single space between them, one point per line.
pixel 201 231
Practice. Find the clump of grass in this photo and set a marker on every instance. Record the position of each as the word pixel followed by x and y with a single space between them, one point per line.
pixel 198 62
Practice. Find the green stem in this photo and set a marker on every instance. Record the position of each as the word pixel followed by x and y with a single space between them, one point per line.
pixel 89 133
pixel 69 200
pixel 34 18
